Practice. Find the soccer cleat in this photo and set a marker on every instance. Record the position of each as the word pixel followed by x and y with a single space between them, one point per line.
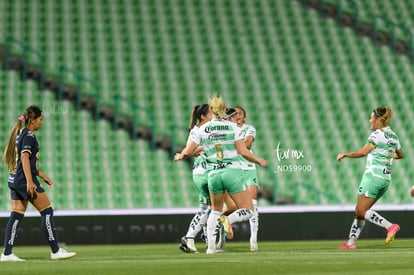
pixel 183 248
pixel 183 245
pixel 253 245
pixel 10 258
pixel 211 251
pixel 219 250
pixel 346 246
pixel 228 230
pixel 61 254
pixel 187 245
pixel 391 232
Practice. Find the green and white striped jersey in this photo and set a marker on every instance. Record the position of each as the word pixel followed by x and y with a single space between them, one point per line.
pixel 199 166
pixel 248 130
pixel 379 161
pixel 218 138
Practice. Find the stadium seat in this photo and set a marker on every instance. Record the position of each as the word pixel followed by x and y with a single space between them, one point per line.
pixel 305 83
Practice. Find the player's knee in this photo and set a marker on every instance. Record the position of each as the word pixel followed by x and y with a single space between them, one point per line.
pixel 360 213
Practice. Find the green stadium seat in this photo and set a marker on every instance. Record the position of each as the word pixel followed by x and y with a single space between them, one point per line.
pixel 300 78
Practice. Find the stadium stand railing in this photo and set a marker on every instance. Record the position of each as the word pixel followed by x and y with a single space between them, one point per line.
pixel 379 27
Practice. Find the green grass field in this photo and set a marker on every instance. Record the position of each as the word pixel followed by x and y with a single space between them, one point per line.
pixel 299 257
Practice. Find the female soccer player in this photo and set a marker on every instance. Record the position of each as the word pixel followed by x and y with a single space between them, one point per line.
pixel 201 114
pixel 22 159
pixel 238 115
pixel 223 145
pixel 249 134
pixel 383 146
pixel 229 205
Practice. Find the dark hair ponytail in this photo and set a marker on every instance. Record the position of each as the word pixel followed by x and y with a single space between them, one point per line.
pixel 9 154
pixel 193 120
pixel 196 114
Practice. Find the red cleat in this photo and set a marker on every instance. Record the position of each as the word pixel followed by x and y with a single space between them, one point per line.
pixel 391 232
pixel 345 246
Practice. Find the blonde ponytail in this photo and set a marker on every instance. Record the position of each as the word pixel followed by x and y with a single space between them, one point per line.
pixel 218 106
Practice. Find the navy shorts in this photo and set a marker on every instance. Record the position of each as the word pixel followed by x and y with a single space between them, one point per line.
pixel 18 191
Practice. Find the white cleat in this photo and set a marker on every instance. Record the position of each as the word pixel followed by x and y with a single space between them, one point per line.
pixel 253 245
pixel 61 254
pixel 191 245
pixel 10 258
pixel 211 251
pixel 187 245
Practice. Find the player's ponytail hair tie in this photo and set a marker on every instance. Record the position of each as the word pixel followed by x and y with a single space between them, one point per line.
pixel 22 118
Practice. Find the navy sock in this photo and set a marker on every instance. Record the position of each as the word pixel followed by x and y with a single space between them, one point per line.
pixel 11 231
pixel 48 226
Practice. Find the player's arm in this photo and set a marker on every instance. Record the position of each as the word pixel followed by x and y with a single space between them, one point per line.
pixel 45 178
pixel 362 152
pixel 249 141
pixel 31 187
pixel 399 154
pixel 244 152
pixel 198 150
pixel 187 151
